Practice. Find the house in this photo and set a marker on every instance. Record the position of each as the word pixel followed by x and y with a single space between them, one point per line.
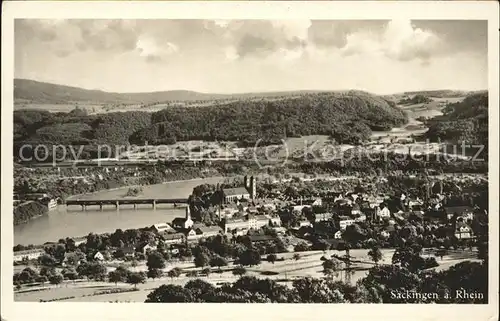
pixel 190 234
pixel 275 220
pixel 163 228
pixel 248 191
pixel 318 217
pixel 146 248
pixel 235 224
pixel 344 221
pixel 128 251
pixel 304 224
pixel 99 256
pixel 356 210
pixel 51 203
pixel 451 211
pixel 463 231
pixel 313 202
pixel 173 238
pixel 385 234
pixel 383 212
pixel 183 222
pixel 228 211
pixel 207 231
pixel 361 217
pixel 337 235
pixel 28 254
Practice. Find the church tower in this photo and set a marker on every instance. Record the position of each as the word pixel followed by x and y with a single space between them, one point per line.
pixel 253 188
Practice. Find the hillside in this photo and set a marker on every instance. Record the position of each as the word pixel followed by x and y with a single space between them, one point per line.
pixel 465 121
pixel 347 117
pixel 35 92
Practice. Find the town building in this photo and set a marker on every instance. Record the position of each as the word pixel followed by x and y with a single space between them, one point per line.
pixel 361 217
pixel 183 222
pixel 247 192
pixel 28 254
pixel 383 212
pixel 319 217
pixel 163 228
pixel 99 256
pixel 337 235
pixel 452 211
pixel 207 231
pixel 463 231
pixel 173 238
pixel 344 221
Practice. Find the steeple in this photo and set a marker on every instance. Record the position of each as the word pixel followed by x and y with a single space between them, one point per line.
pixel 188 213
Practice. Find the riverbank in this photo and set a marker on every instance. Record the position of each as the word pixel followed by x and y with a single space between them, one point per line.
pixel 72 221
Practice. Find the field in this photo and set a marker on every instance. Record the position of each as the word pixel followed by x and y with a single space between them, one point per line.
pixel 309 265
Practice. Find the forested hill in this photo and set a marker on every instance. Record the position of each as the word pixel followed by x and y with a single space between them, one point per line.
pixel 465 121
pixel 348 117
pixel 36 92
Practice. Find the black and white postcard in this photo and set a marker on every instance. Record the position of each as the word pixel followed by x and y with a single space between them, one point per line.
pixel 321 156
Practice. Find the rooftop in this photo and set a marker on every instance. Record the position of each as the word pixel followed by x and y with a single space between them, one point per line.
pixel 234 191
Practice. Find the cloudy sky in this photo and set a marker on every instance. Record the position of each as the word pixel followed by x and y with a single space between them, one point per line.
pixel 253 55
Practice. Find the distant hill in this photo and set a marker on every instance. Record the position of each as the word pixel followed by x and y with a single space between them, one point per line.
pixel 348 117
pixel 36 92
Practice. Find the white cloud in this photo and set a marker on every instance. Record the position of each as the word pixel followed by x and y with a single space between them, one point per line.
pixel 293 28
pixel 399 40
pixel 149 48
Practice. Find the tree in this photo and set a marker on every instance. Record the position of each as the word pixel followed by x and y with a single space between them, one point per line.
pixel 330 267
pixel 56 278
pixel 174 273
pixel 218 261
pixel 27 275
pixel 155 260
pixel 59 253
pixel 272 258
pixel 206 271
pixel 136 278
pixel 296 256
pixel 70 274
pixel 201 259
pixel 115 277
pixel 375 254
pixel 250 257
pixel 239 271
pixel 46 260
pixel 154 273
pixel 169 293
pixel 42 279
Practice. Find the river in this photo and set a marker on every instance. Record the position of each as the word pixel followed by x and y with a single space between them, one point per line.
pixel 73 222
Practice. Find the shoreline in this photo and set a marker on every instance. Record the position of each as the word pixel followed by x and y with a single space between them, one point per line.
pixel 128 186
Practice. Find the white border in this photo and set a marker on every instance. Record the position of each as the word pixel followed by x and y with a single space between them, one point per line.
pixel 453 10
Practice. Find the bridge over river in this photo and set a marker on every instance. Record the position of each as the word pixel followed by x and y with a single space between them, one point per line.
pixel 134 202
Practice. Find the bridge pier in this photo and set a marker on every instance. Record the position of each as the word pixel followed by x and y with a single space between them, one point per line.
pixel 84 207
pixel 100 206
pixel 135 206
pixel 117 205
pixel 154 204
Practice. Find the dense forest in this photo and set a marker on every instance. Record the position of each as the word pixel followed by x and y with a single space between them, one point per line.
pixel 465 121
pixel 347 117
pixel 27 211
